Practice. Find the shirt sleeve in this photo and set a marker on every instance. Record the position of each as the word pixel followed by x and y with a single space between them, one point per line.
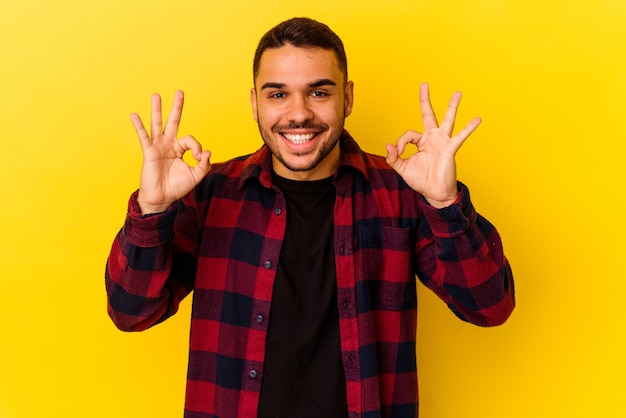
pixel 460 257
pixel 150 268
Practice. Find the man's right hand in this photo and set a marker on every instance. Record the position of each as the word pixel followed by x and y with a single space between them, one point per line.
pixel 165 176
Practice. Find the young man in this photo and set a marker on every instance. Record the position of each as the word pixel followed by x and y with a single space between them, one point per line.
pixel 302 257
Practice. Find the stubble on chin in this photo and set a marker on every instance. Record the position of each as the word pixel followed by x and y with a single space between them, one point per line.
pixel 321 154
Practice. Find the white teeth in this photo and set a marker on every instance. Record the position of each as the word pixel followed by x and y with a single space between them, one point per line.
pixel 298 139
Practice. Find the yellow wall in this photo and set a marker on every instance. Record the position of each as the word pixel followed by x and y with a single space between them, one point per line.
pixel 546 166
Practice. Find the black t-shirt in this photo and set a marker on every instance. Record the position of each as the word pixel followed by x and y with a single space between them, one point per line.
pixel 303 376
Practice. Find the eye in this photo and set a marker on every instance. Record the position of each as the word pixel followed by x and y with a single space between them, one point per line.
pixel 277 95
pixel 318 93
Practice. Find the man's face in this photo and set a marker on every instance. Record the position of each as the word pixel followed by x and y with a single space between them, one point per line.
pixel 300 101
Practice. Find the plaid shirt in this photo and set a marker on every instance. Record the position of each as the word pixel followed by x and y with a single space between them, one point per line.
pixel 223 241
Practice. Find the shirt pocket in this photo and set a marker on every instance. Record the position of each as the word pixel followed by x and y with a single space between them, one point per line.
pixel 386 278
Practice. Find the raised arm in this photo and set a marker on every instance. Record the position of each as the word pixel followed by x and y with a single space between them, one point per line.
pixel 462 259
pixel 151 266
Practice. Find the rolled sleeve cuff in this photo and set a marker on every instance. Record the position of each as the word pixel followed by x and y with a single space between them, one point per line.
pixel 149 230
pixel 452 220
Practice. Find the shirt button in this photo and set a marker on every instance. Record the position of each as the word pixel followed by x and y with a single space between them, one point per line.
pixel 253 374
pixel 278 211
pixel 342 250
pixel 345 304
pixel 259 319
pixel 267 265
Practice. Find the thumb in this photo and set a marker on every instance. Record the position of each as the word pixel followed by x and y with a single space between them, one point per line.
pixel 392 157
pixel 203 166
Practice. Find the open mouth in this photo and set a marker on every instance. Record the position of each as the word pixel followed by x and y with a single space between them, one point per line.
pixel 299 139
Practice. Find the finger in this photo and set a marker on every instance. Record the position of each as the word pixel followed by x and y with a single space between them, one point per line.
pixel 173 120
pixel 447 124
pixel 156 123
pixel 392 154
pixel 428 114
pixel 202 157
pixel 189 143
pixel 409 137
pixel 393 159
pixel 464 133
pixel 203 166
pixel 142 133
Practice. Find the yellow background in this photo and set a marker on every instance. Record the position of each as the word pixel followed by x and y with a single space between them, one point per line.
pixel 546 166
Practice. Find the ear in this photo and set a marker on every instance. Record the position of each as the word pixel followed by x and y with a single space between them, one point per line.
pixel 253 102
pixel 349 98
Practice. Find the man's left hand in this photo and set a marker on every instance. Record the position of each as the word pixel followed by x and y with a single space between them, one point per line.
pixel 431 171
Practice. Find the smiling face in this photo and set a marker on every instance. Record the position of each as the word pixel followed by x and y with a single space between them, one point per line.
pixel 300 101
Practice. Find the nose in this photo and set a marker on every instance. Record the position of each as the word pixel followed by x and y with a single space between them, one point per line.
pixel 299 109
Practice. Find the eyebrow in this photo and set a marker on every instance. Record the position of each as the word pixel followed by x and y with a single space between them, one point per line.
pixel 318 83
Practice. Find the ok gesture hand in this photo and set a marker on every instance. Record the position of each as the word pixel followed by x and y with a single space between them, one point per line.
pixel 165 176
pixel 431 171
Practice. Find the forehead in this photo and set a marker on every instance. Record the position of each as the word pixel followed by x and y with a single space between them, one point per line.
pixel 290 63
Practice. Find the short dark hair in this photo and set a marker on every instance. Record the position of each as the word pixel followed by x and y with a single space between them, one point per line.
pixel 302 32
